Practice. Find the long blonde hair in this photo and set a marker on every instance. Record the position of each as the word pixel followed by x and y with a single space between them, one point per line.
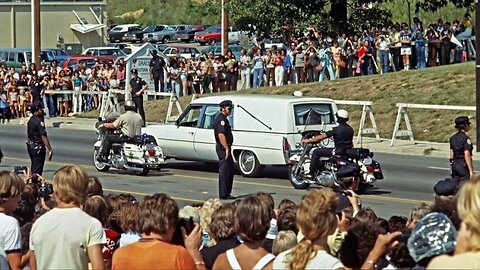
pixel 468 204
pixel 316 218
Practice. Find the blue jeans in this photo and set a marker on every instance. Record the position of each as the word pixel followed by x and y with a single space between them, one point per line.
pixel 175 85
pixel 51 103
pixel 384 60
pixel 257 77
pixel 420 48
pixel 329 68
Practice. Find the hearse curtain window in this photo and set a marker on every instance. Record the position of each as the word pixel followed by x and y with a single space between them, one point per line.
pixel 323 111
pixel 253 116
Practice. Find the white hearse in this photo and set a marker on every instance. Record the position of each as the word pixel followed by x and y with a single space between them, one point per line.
pixel 264 129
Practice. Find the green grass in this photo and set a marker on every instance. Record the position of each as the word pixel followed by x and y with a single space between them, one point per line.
pixel 447 85
pixel 399 10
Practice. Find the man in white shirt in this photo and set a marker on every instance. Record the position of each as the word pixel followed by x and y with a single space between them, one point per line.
pixel 66 237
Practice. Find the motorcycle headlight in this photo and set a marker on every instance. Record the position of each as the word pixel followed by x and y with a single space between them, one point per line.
pixel 298 145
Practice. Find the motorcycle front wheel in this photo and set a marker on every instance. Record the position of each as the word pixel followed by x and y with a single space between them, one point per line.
pixel 297 180
pixel 100 166
pixel 143 172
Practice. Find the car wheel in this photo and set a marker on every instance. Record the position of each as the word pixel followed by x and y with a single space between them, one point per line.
pixel 186 40
pixel 211 41
pixel 100 166
pixel 202 43
pixel 166 39
pixel 296 180
pixel 248 164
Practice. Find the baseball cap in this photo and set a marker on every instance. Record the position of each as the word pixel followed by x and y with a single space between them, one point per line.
pixel 433 235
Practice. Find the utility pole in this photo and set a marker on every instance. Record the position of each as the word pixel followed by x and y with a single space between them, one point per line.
pixel 477 70
pixel 36 33
pixel 224 28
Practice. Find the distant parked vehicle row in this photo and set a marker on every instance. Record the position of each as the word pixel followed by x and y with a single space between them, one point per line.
pixel 17 57
pixel 213 34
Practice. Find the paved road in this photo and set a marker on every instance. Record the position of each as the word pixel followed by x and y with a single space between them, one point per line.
pixel 408 179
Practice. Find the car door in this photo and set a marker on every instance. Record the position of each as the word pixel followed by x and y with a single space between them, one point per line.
pixel 204 141
pixel 181 136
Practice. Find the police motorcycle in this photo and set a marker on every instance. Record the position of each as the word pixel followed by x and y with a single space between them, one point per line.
pixel 357 162
pixel 138 155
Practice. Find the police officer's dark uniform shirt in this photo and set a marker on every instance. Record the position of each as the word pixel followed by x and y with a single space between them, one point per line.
pixel 157 64
pixel 137 85
pixel 221 125
pixel 36 129
pixel 342 136
pixel 36 92
pixel 460 143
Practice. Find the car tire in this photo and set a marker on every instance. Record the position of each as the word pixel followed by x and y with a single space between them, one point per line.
pixel 248 164
pixel 211 41
pixel 165 39
pixel 202 43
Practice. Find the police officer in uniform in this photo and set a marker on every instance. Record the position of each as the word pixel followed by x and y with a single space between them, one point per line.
pixel 37 140
pixel 224 140
pixel 130 123
pixel 157 67
pixel 461 149
pixel 137 87
pixel 342 137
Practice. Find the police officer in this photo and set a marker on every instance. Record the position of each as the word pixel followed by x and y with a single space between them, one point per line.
pixel 342 137
pixel 224 140
pixel 137 87
pixel 157 68
pixel 461 149
pixel 130 123
pixel 37 140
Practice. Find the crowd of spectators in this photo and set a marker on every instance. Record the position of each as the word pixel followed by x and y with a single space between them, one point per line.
pixel 315 56
pixel 76 226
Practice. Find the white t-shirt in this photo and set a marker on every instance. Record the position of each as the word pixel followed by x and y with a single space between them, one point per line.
pixel 322 260
pixel 10 237
pixel 60 238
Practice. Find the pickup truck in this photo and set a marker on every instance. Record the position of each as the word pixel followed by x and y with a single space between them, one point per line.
pixel 264 129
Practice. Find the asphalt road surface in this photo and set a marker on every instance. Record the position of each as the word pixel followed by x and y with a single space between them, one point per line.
pixel 408 179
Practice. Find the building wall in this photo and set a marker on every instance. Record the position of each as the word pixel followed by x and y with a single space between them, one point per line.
pixel 56 18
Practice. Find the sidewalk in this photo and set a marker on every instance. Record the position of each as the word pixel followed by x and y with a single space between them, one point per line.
pixel 405 147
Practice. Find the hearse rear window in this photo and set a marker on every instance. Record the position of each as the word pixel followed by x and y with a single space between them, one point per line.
pixel 321 114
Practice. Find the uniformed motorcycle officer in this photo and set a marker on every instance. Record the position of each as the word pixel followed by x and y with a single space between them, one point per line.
pixel 342 137
pixel 157 68
pixel 130 123
pixel 461 149
pixel 224 140
pixel 37 140
pixel 137 87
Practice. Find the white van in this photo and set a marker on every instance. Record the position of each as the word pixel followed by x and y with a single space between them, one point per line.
pixel 264 129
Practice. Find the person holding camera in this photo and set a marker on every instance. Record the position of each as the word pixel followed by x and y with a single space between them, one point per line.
pixel 53 243
pixel 11 188
pixel 325 55
pixel 37 140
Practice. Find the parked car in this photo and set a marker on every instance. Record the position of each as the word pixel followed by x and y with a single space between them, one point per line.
pixel 210 35
pixel 104 51
pixel 74 60
pixel 260 136
pixel 164 35
pixel 216 48
pixel 184 52
pixel 58 54
pixel 188 34
pixel 269 43
pixel 116 33
pixel 137 35
pixel 17 57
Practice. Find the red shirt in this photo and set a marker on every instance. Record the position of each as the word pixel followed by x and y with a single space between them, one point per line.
pixel 361 52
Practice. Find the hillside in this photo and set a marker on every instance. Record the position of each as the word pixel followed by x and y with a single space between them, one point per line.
pixel 448 85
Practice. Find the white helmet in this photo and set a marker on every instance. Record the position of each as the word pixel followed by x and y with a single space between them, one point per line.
pixel 298 94
pixel 342 114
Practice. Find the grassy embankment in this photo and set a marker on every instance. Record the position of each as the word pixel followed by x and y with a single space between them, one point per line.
pixel 448 85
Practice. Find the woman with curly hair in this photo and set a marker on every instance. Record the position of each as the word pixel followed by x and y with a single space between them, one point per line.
pixel 316 219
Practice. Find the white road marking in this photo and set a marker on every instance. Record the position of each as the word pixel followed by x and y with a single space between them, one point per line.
pixel 440 168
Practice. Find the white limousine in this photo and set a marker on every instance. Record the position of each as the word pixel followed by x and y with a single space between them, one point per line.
pixel 264 129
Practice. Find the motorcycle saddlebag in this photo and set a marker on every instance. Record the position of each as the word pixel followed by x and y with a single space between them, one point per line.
pixel 139 139
pixel 357 153
pixel 349 170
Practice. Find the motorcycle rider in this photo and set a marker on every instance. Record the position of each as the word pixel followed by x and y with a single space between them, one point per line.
pixel 130 123
pixel 342 137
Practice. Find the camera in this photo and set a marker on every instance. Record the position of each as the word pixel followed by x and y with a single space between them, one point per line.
pixel 19 169
pixel 45 190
